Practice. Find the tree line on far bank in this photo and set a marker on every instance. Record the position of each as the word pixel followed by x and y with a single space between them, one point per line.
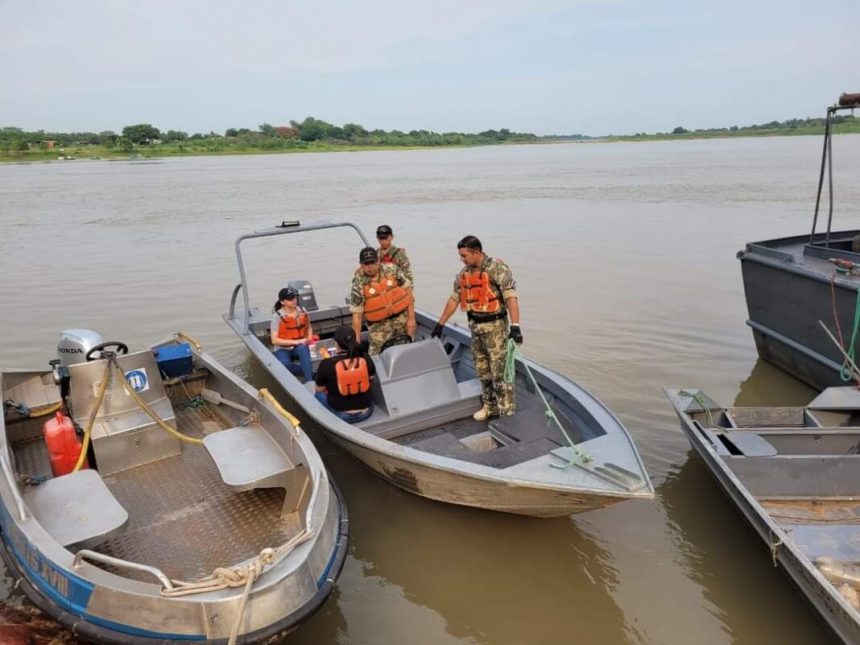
pixel 297 134
pixel 316 134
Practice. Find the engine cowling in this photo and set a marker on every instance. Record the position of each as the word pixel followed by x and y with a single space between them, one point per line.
pixel 74 345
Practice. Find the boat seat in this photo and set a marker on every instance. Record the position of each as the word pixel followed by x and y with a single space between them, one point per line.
pixel 414 377
pixel 751 444
pixel 248 458
pixel 77 509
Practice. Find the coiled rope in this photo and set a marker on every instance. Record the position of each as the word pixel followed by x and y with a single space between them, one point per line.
pixel 512 354
pixel 240 576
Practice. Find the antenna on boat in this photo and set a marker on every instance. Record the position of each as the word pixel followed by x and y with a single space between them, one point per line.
pixel 846 102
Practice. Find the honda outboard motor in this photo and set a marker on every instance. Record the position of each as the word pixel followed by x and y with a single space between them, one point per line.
pixel 307 299
pixel 74 345
pixel 72 349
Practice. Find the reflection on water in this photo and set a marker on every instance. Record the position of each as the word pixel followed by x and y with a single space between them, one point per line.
pixel 624 257
pixel 726 558
pixel 768 385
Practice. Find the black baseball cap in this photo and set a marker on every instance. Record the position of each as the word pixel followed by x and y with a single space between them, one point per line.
pixel 287 293
pixel 368 255
pixel 383 230
pixel 344 336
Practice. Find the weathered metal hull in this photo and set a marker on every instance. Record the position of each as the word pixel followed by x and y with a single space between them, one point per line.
pixel 782 546
pixel 421 435
pixel 458 488
pixel 788 292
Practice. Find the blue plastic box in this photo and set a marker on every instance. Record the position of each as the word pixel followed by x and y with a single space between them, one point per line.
pixel 174 360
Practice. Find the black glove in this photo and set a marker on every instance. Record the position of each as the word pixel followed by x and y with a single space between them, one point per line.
pixel 516 335
pixel 437 331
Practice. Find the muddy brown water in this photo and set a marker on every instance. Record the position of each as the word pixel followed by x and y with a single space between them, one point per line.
pixel 624 255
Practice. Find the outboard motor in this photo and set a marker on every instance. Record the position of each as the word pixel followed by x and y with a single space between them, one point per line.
pixel 74 345
pixel 72 349
pixel 307 299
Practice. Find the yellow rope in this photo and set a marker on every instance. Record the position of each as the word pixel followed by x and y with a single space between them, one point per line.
pixel 153 415
pixel 289 416
pixel 91 421
pixel 190 339
pixel 43 412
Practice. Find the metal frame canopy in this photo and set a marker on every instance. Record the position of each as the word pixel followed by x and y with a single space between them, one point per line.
pixel 846 102
pixel 286 227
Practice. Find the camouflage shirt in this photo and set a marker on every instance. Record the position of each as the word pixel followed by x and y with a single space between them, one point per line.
pixel 501 279
pixel 397 256
pixel 360 280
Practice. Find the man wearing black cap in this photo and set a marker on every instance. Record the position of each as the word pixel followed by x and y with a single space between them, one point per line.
pixel 390 254
pixel 486 291
pixel 382 296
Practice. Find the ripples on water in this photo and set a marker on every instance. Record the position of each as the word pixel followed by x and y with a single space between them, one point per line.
pixel 625 260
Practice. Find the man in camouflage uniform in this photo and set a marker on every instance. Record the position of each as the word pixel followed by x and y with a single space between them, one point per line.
pixel 371 270
pixel 488 312
pixel 390 254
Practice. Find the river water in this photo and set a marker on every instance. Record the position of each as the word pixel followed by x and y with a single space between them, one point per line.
pixel 624 255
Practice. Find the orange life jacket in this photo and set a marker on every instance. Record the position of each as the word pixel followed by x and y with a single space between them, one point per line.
pixel 388 259
pixel 477 295
pixel 352 376
pixel 385 298
pixel 291 328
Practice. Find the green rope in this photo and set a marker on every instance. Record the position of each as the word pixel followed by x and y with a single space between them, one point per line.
pixel 698 398
pixel 511 356
pixel 845 371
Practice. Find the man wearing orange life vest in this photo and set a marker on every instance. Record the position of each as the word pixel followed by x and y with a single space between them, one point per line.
pixel 390 254
pixel 382 296
pixel 290 332
pixel 486 291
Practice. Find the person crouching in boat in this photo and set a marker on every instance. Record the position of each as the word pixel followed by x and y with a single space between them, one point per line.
pixel 343 380
pixel 291 332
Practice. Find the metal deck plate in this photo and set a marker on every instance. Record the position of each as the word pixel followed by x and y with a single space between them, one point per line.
pixel 184 520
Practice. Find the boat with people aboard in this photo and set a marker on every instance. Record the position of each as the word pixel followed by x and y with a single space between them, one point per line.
pixel 153 496
pixel 803 292
pixel 562 452
pixel 792 472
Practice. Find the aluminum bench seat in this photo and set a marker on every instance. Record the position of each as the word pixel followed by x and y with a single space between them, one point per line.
pixel 77 509
pixel 248 458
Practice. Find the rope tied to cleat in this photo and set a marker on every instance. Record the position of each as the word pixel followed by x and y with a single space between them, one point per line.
pixel 511 356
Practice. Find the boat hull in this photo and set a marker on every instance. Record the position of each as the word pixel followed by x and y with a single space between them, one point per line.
pixel 784 552
pixel 103 604
pixel 787 294
pixel 465 490
pixel 45 597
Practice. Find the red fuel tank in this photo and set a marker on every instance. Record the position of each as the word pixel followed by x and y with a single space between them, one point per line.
pixel 64 447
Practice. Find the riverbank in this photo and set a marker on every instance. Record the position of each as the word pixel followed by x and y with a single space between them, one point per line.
pixel 218 147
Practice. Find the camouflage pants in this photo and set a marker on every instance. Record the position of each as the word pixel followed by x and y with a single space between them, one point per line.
pixel 489 345
pixel 386 329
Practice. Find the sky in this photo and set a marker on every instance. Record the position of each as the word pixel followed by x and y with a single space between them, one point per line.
pixel 541 66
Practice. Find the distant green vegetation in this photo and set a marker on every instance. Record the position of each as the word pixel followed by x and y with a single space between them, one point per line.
pixel 842 124
pixel 315 135
pixel 309 135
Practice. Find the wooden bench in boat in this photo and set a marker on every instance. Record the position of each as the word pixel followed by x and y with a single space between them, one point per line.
pixel 76 509
pixel 248 458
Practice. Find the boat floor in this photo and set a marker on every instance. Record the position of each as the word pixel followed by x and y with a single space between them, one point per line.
pixel 182 518
pixel 529 431
pixel 820 527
